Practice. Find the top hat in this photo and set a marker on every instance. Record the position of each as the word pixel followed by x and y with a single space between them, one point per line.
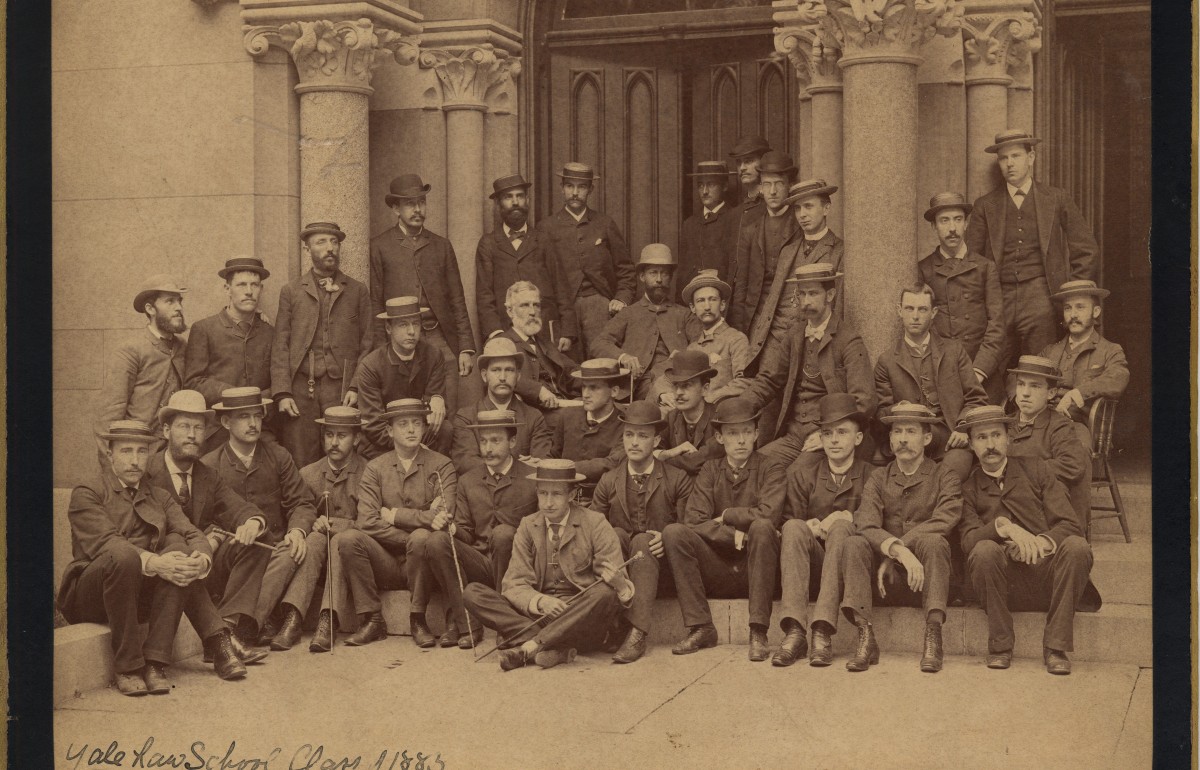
pixel 606 369
pixel 749 145
pixel 406 187
pixel 581 172
pixel 817 272
pixel 836 407
pixel 809 188
pixel 495 418
pixel 248 397
pixel 345 416
pixel 329 228
pixel 556 471
pixel 703 279
pixel 510 182
pixel 1074 288
pixel 687 365
pixel 1012 136
pixel 642 413
pixel 404 407
pixel 400 307
pixel 184 402
pixel 776 162
pixel 499 347
pixel 156 284
pixel 244 265
pixel 656 255
pixel 1039 367
pixel 982 415
pixel 907 411
pixel 947 200
pixel 734 410
pixel 129 430
pixel 712 169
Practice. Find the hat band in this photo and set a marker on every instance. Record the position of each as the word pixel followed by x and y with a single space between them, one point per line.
pixel 493 423
pixel 133 432
pixel 339 420
pixel 237 401
pixel 599 371
pixel 403 312
pixel 556 474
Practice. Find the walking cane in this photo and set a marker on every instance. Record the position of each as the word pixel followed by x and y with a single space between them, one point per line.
pixel 636 557
pixel 329 570
pixel 451 529
pixel 227 533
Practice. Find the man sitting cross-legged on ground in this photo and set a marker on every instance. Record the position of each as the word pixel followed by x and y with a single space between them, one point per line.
pixel 559 554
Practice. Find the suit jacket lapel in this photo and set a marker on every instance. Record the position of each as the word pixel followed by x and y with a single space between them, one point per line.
pixel 904 360
pixel 997 233
pixel 1045 219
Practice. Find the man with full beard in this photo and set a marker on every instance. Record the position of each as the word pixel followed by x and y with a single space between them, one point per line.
pixel 516 252
pixel 546 374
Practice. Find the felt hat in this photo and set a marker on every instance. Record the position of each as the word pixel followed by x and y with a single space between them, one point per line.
pixel 907 411
pixel 982 415
pixel 249 397
pixel 817 272
pixel 606 369
pixel 506 183
pixel 687 365
pixel 184 402
pixel 836 407
pixel 406 187
pixel 706 279
pixel 329 228
pixel 495 418
pixel 712 169
pixel 947 200
pixel 244 265
pixel 556 471
pixel 1011 136
pixel 642 413
pixel 734 410
pixel 656 255
pixel 154 285
pixel 579 172
pixel 1038 367
pixel 405 407
pixel 344 416
pixel 776 162
pixel 400 307
pixel 1075 288
pixel 749 145
pixel 499 347
pixel 129 430
pixel 807 189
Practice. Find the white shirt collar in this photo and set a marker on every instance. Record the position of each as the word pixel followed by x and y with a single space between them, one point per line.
pixel 709 334
pixel 631 471
pixel 611 411
pixel 1023 188
pixel 245 458
pixel 999 474
pixel 844 470
pixel 714 209
pixel 503 469
pixel 408 232
pixel 817 331
pixel 737 467
pixel 922 343
pixel 786 208
pixel 154 330
pixel 509 231
pixel 817 236
pixel 577 217
pixel 960 254
pixel 174 469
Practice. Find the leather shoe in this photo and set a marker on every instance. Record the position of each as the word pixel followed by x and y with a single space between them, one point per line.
pixel 155 675
pixel 793 647
pixel 697 639
pixel 244 651
pixel 633 648
pixel 758 645
pixel 615 638
pixel 510 659
pixel 131 684
pixel 268 630
pixel 322 640
pixel 1056 661
pixel 289 631
pixel 999 659
pixel 551 658
pixel 224 659
pixel 468 641
pixel 449 637
pixel 372 630
pixel 931 659
pixel 821 653
pixel 422 636
pixel 867 652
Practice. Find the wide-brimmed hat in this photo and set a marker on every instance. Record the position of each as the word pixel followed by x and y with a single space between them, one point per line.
pixel 776 162
pixel 129 430
pixel 249 397
pixel 836 407
pixel 808 188
pixel 817 272
pixel 244 265
pixel 156 284
pixel 705 279
pixel 406 187
pixel 1038 367
pixel 400 307
pixel 1012 136
pixel 907 411
pixel 749 145
pixel 404 407
pixel 712 169
pixel 607 369
pixel 506 183
pixel 329 228
pixel 556 471
pixel 735 410
pixel 581 172
pixel 184 402
pixel 982 415
pixel 947 200
pixel 642 413
pixel 341 417
pixel 1075 288
pixel 495 418
pixel 499 347
pixel 656 255
pixel 687 365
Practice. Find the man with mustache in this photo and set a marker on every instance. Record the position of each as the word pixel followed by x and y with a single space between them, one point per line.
pixel 322 330
pixel 690 436
pixel 591 254
pixel 708 238
pixel 747 156
pixel 516 252
pixel 590 434
pixel 759 243
pixel 644 335
pixel 546 374
pixel 146 371
pixel 727 349
pixel 966 290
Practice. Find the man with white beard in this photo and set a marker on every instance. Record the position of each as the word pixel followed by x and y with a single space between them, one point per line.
pixel 546 374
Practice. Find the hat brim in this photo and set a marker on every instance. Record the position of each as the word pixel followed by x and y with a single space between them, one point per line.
pixel 713 174
pixel 591 178
pixel 723 288
pixel 995 148
pixel 142 297
pixel 328 231
pixel 827 190
pixel 391 198
pixel 738 421
pixel 506 425
pixel 1046 375
pixel 534 477
pixel 482 361
pixel 167 412
pixel 891 418
pixel 356 425
pixel 220 406
pixel 106 436
pixel 497 193
pixel 745 153
pixel 814 279
pixel 385 317
pixel 643 265
pixel 677 379
pixel 932 211
pixel 1098 293
pixel 225 272
pixel 965 426
pixel 613 378
pixel 389 416
pixel 861 419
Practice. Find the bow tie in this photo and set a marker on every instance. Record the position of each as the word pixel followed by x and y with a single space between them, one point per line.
pixel 329 285
pixel 591 423
pixel 708 215
pixel 813 335
pixel 639 479
pixel 517 235
pixel 1019 194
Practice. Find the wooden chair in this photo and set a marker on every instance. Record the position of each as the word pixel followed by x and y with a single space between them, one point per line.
pixel 1100 423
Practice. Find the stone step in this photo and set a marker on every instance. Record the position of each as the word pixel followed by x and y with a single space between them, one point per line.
pixel 1121 571
pixel 1135 495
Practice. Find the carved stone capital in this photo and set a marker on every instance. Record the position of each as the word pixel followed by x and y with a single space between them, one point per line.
pixel 888 30
pixel 469 75
pixel 814 55
pixel 333 55
pixel 993 43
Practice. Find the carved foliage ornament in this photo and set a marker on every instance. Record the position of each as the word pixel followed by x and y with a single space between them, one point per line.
pixel 905 24
pixel 468 76
pixel 811 50
pixel 333 54
pixel 994 40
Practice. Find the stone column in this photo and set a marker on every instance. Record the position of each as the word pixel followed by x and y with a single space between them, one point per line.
pixel 880 45
pixel 501 138
pixel 1020 92
pixel 942 128
pixel 334 60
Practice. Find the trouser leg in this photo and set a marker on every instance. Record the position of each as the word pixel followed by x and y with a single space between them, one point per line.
pixel 300 591
pixel 108 590
pixel 500 545
pixel 300 435
pixel 1069 567
pixel 585 622
pixel 592 312
pixel 437 340
pixel 368 568
pixel 645 576
pixel 420 579
pixel 762 564
pixel 197 604
pixel 238 572
pixel 787 447
pixel 826 608
pixel 699 572
pixel 495 612
pixel 475 567
pixel 281 567
pixel 858 573
pixel 799 552
pixel 341 605
pixel 987 566
pixel 934 554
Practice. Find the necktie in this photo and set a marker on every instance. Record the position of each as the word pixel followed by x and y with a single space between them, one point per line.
pixel 708 215
pixel 496 476
pixel 591 423
pixel 328 285
pixel 809 246
pixel 555 536
pixel 1018 198
pixel 812 334
pixel 132 493
pixel 516 236
pixel 639 480
pixel 185 494
pixel 244 328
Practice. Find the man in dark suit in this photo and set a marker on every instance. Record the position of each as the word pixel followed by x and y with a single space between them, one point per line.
pixel 640 498
pixel 934 372
pixel 690 436
pixel 232 348
pixel 1024 546
pixel 590 434
pixel 591 254
pixel 708 238
pixel 747 156
pixel 1092 367
pixel 1038 239
pixel 546 373
pixel 410 261
pixel 322 330
pixel 760 242
pixel 515 252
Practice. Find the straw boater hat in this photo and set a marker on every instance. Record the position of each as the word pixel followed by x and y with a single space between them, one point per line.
pixel 706 279
pixel 551 471
pixel 749 145
pixel 711 169
pixel 1075 288
pixel 808 188
pixel 907 411
pixel 233 399
pixel 817 272
pixel 244 265
pixel 184 402
pixel 947 200
pixel 732 411
pixel 580 172
pixel 404 407
pixel 129 430
pixel 656 255
pixel 406 187
pixel 341 417
pixel 982 415
pixel 154 285
pixel 643 413
pixel 836 407
pixel 329 228
pixel 499 347
pixel 606 369
pixel 1039 367
pixel 495 418
pixel 400 307
pixel 687 365
pixel 776 162
pixel 1012 136
pixel 506 183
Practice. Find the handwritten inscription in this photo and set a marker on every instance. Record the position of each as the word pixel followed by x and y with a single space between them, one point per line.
pixel 198 757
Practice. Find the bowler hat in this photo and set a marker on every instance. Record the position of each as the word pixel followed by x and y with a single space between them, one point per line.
pixel 184 402
pixel 907 411
pixel 817 272
pixel 808 189
pixel 404 407
pixel 687 365
pixel 1075 288
pixel 506 183
pixel 749 145
pixel 705 279
pixel 836 407
pixel 495 418
pixel 735 410
pixel 601 369
pixel 129 430
pixel 329 228
pixel 982 415
pixel 712 169
pixel 947 200
pixel 580 172
pixel 1012 136
pixel 1039 367
pixel 499 347
pixel 154 285
pixel 776 162
pixel 248 397
pixel 244 265
pixel 341 416
pixel 400 307
pixel 556 471
pixel 656 255
pixel 642 413
pixel 406 187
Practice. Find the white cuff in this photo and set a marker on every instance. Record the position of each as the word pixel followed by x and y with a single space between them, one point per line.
pixel 533 605
pixel 207 563
pixel 886 547
pixel 1051 545
pixel 146 556
pixel 388 515
pixel 262 525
